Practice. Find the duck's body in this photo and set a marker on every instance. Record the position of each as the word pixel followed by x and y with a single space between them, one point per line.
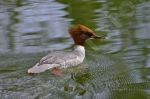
pixel 63 59
pixel 60 59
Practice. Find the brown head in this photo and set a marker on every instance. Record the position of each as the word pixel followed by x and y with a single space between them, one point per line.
pixel 81 33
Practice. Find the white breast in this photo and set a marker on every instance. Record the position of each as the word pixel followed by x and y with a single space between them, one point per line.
pixel 80 52
pixel 76 57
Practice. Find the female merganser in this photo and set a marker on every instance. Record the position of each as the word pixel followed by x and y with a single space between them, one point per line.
pixel 60 59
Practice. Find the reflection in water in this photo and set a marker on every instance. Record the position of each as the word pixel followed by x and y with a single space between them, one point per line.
pixel 4 20
pixel 37 26
pixel 30 27
pixel 128 26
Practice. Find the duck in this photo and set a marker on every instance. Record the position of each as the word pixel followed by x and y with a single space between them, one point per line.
pixel 57 60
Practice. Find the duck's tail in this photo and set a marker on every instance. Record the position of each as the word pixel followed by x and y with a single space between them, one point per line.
pixel 41 68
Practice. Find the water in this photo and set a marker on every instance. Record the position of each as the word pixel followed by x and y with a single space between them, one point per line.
pixel 115 68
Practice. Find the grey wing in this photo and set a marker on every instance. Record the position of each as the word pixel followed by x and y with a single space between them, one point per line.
pixel 48 59
pixel 62 58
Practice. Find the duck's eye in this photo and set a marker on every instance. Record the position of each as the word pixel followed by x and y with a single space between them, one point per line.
pixel 84 36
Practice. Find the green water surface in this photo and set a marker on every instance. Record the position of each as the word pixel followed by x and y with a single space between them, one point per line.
pixel 117 67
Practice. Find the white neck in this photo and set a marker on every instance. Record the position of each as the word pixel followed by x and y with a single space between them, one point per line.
pixel 79 50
